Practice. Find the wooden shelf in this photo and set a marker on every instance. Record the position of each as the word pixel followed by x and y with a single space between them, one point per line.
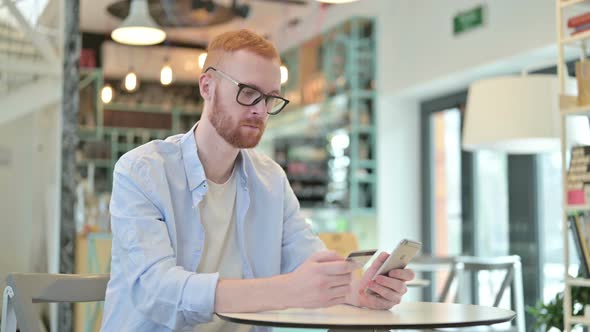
pixel 577 208
pixel 578 282
pixel 579 110
pixel 569 106
pixel 577 38
pixel 570 3
pixel 580 320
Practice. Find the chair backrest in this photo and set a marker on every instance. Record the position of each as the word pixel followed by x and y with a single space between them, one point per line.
pixel 343 243
pixel 458 267
pixel 470 264
pixel 25 289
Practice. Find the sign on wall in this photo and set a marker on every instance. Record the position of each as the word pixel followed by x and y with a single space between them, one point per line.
pixel 468 20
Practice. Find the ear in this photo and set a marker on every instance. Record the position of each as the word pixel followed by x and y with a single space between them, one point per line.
pixel 206 86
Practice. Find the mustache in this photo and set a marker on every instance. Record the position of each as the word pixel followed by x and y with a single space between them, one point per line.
pixel 253 122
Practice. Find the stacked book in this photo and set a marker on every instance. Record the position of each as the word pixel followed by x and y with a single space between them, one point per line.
pixel 578 176
pixel 580 227
pixel 579 23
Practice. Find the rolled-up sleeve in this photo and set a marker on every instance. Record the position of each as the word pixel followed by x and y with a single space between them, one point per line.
pixel 161 290
pixel 299 242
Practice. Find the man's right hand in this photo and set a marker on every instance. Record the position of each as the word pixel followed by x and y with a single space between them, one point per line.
pixel 322 280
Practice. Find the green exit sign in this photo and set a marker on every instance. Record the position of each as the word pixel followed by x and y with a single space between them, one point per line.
pixel 468 20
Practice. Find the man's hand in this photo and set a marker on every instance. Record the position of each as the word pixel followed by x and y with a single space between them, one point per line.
pixel 388 289
pixel 324 279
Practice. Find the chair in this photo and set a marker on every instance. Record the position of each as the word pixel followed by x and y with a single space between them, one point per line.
pixel 342 243
pixel 25 289
pixel 460 266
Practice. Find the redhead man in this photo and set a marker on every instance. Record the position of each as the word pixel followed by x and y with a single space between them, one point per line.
pixel 203 223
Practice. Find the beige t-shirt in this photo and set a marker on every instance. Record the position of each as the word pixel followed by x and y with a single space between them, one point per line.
pixel 221 251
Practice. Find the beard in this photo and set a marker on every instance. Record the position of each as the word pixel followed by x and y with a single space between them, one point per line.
pixel 232 130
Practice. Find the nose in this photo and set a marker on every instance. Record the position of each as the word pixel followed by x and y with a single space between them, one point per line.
pixel 259 108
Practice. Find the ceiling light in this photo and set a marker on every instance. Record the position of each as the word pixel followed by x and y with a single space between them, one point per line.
pixel 166 75
pixel 517 115
pixel 284 74
pixel 130 82
pixel 106 94
pixel 202 58
pixel 139 28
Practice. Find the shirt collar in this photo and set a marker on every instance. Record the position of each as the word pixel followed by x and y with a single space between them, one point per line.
pixel 192 164
pixel 195 172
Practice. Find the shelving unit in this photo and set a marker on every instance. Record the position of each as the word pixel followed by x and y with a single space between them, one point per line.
pixel 344 62
pixel 102 142
pixel 569 107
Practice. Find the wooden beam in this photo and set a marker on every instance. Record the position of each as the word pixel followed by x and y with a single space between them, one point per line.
pixel 19 102
pixel 40 41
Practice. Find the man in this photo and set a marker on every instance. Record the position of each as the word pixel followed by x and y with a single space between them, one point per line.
pixel 202 224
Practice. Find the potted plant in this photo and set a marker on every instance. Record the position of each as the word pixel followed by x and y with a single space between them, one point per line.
pixel 551 314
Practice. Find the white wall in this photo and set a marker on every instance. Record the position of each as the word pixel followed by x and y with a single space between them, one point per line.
pixel 398 168
pixel 29 188
pixel 16 196
pixel 419 58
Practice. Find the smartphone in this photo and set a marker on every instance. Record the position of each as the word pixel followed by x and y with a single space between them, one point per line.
pixel 361 257
pixel 400 256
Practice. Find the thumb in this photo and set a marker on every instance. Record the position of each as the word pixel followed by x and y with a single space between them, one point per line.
pixel 380 260
pixel 326 256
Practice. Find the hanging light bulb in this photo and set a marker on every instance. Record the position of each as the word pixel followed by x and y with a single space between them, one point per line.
pixel 202 58
pixel 139 28
pixel 284 74
pixel 130 82
pixel 106 94
pixel 166 75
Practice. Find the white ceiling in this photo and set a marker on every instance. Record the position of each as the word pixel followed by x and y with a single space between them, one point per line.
pixel 265 18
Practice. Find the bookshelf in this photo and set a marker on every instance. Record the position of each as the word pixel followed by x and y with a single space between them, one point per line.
pixel 568 106
pixel 335 73
pixel 107 131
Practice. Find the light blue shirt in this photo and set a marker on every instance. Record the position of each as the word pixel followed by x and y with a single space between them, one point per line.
pixel 158 237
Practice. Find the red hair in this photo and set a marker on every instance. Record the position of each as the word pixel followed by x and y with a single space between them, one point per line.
pixel 233 41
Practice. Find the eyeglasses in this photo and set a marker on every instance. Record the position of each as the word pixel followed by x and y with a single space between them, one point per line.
pixel 250 96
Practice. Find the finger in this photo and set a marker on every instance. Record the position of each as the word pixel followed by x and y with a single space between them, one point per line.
pixel 339 280
pixel 337 268
pixel 337 300
pixel 377 302
pixel 339 291
pixel 381 258
pixel 377 263
pixel 326 256
pixel 384 292
pixel 396 285
pixel 402 274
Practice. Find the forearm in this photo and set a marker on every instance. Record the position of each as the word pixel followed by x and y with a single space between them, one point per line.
pixel 251 295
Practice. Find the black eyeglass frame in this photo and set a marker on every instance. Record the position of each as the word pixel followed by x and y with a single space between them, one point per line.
pixel 241 86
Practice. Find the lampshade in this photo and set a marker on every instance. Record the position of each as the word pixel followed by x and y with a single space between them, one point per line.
pixel 518 115
pixel 139 28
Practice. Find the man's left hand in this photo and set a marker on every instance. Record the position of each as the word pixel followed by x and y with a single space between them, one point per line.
pixel 388 289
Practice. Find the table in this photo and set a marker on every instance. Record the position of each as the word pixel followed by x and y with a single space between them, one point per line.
pixel 411 315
